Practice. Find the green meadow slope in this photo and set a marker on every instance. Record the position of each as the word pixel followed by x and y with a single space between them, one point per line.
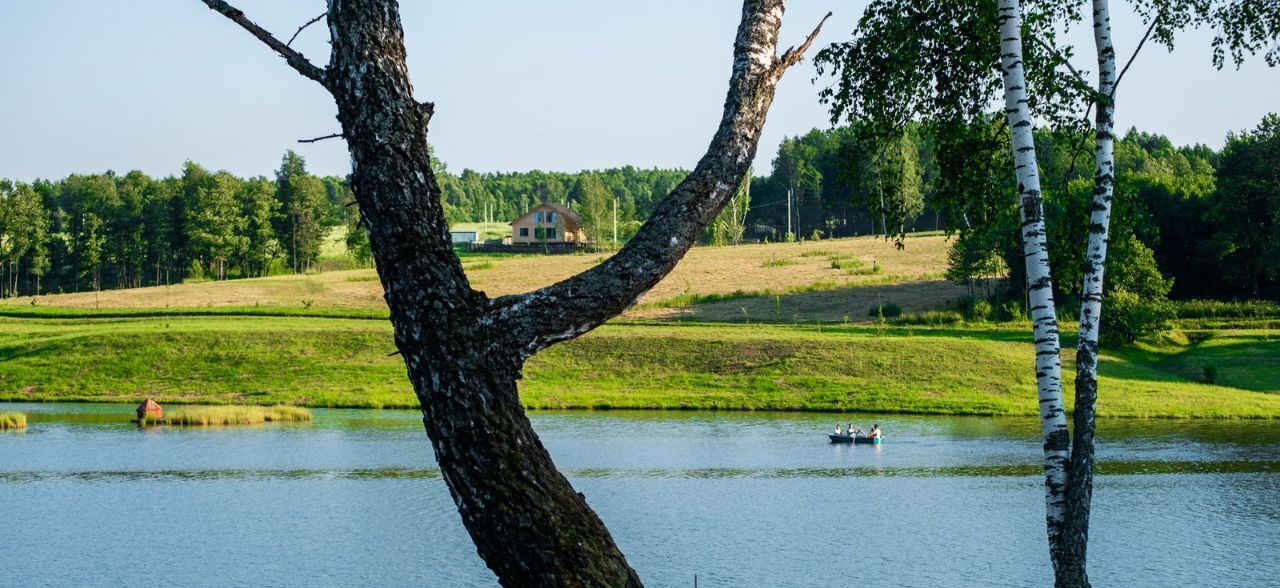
pixel 327 357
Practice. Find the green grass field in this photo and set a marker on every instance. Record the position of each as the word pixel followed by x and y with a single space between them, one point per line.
pixel 265 359
pixel 777 326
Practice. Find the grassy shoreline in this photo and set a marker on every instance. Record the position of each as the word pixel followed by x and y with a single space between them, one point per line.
pixel 320 361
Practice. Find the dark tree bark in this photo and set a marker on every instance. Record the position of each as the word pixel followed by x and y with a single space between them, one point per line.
pixel 464 352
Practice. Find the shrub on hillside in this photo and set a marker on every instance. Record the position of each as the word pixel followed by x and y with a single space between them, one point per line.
pixel 1011 310
pixel 1251 309
pixel 932 318
pixel 889 310
pixel 1127 317
pixel 974 309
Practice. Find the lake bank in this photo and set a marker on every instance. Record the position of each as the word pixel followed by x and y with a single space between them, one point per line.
pixel 336 361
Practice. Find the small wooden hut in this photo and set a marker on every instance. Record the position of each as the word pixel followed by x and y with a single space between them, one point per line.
pixel 149 410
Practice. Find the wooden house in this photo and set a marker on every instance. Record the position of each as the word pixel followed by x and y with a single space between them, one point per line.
pixel 548 222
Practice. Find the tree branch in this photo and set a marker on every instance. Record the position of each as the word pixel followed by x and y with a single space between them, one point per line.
pixel 793 55
pixel 1079 77
pixel 293 58
pixel 318 139
pixel 309 23
pixel 1135 52
pixel 562 311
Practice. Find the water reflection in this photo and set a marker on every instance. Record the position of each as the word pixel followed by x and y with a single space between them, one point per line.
pixel 742 499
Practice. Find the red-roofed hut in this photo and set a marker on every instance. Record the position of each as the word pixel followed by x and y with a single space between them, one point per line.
pixel 149 410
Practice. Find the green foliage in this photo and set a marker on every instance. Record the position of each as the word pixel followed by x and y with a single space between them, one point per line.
pixel 188 356
pixel 1135 270
pixel 593 202
pixel 974 309
pixel 1248 309
pixel 974 262
pixel 357 240
pixel 1247 210
pixel 931 318
pixel 303 206
pixel 258 211
pixel 775 261
pixel 889 310
pixel 1012 310
pixel 1127 317
pixel 729 225
pixel 1209 374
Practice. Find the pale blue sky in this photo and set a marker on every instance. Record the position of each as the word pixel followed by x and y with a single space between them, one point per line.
pixel 87 86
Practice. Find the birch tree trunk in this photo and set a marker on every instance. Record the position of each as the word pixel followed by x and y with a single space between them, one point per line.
pixel 1053 421
pixel 463 351
pixel 1070 567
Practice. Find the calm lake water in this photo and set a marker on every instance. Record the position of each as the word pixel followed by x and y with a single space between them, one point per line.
pixel 739 499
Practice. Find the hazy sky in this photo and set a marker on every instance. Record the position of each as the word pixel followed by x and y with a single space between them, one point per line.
pixel 87 86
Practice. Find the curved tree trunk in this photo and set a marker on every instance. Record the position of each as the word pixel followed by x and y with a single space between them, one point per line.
pixel 1053 420
pixel 464 352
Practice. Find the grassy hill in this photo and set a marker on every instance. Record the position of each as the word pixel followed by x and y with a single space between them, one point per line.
pixel 328 361
pixel 750 327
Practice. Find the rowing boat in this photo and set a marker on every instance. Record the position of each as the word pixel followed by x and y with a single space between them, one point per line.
pixel 857 440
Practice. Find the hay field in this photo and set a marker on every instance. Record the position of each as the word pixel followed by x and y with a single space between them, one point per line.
pixel 704 271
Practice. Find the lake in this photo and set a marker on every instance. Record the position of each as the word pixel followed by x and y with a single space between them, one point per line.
pixel 739 499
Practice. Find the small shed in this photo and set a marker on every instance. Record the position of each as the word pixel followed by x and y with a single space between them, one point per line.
pixel 149 410
pixel 464 236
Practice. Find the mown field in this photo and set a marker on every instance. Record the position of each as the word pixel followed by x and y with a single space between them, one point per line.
pixel 754 327
pixel 326 361
pixel 781 268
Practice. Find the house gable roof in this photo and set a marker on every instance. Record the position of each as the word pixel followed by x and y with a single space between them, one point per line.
pixel 555 207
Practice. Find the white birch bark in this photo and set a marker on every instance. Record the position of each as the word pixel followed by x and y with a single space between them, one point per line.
pixel 1104 183
pixel 1070 563
pixel 1044 319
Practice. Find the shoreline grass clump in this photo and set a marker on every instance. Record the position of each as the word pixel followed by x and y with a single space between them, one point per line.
pixel 213 416
pixel 12 420
pixel 775 261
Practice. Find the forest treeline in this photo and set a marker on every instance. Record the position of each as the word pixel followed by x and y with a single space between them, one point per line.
pixel 96 231
pixel 1189 222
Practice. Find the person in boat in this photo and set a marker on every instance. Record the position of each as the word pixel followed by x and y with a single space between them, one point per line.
pixel 850 431
pixel 855 432
pixel 875 432
pixel 838 433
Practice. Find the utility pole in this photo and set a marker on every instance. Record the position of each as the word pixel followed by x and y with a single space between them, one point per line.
pixel 615 222
pixel 788 213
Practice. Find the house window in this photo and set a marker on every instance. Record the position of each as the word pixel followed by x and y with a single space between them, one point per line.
pixel 524 231
pixel 537 217
pixel 551 233
pixel 551 217
pixel 539 233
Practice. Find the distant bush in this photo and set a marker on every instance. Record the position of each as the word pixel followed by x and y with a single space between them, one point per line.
pixel 1250 309
pixel 974 309
pixel 1127 317
pixel 778 262
pixel 931 318
pixel 1011 310
pixel 889 310
pixel 816 253
pixel 1209 374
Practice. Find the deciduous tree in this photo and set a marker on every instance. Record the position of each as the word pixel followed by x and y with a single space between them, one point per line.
pixel 464 351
